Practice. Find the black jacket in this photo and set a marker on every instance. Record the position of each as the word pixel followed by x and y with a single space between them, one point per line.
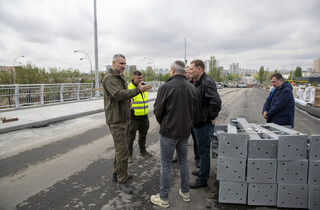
pixel 174 107
pixel 208 104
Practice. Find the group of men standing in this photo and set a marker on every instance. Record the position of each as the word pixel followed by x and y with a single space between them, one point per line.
pixel 180 107
pixel 187 103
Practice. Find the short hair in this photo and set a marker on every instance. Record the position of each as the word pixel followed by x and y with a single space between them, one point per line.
pixel 198 63
pixel 137 73
pixel 278 76
pixel 179 67
pixel 117 56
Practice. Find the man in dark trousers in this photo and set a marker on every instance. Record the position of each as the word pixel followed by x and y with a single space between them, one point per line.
pixel 173 109
pixel 207 108
pixel 195 146
pixel 279 106
pixel 117 111
pixel 139 120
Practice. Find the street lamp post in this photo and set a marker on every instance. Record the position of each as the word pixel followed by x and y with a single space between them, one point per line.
pixel 14 70
pixel 86 58
pixel 154 67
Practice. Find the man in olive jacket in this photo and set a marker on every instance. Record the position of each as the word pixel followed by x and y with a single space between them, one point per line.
pixel 117 111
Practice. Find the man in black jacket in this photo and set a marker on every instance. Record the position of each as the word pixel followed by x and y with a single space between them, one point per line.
pixel 173 109
pixel 207 108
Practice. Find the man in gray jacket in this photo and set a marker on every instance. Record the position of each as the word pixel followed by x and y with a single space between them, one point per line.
pixel 173 109
pixel 117 111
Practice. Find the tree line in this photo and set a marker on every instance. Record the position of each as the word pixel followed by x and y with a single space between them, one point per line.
pixel 264 76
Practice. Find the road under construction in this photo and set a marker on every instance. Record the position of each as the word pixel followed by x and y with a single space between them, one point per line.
pixel 68 164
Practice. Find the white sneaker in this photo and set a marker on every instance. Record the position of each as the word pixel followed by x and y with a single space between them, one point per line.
pixel 155 199
pixel 185 196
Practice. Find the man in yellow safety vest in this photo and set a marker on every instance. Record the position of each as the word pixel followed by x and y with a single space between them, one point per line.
pixel 138 118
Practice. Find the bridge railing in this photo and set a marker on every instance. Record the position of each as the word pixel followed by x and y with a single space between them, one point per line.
pixel 20 95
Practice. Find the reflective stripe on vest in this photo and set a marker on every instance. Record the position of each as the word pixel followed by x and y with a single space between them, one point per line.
pixel 140 102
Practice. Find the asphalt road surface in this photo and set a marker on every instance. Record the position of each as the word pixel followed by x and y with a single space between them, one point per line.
pixel 69 165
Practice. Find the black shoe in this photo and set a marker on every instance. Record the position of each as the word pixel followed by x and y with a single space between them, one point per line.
pixel 197 184
pixel 197 163
pixel 125 188
pixel 145 154
pixel 174 160
pixel 195 173
pixel 115 179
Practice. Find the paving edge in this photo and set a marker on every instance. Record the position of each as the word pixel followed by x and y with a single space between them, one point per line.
pixel 46 122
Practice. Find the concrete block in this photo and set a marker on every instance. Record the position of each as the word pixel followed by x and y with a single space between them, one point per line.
pixel 262 194
pixel 314 153
pixel 261 170
pixel 263 148
pixel 314 197
pixel 293 196
pixel 292 172
pixel 232 192
pixel 233 145
pixel 231 169
pixel 293 147
pixel 314 172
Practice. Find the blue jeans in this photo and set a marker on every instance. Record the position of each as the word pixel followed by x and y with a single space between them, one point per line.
pixel 203 136
pixel 167 147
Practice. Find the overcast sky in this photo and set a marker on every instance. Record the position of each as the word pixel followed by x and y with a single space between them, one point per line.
pixel 272 33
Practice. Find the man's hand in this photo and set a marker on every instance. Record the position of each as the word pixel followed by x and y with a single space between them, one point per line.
pixel 130 102
pixel 144 88
pixel 265 115
pixel 213 122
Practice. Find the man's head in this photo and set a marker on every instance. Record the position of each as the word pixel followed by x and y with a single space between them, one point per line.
pixel 276 80
pixel 137 77
pixel 188 73
pixel 197 68
pixel 119 63
pixel 177 67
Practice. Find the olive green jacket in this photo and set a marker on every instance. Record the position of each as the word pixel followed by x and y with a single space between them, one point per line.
pixel 116 97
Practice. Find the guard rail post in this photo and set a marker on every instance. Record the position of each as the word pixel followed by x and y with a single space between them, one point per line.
pixel 17 96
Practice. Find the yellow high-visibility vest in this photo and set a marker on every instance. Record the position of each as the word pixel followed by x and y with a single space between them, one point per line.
pixel 140 102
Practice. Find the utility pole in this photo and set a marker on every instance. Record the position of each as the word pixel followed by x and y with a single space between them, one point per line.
pixel 185 51
pixel 292 71
pixel 97 86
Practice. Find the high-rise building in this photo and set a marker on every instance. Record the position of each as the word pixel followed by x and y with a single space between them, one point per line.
pixel 207 65
pixel 316 65
pixel 234 68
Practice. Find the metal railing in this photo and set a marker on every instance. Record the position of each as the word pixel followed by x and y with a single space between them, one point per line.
pixel 16 96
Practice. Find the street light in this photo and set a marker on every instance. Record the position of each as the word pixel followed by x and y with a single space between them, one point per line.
pixel 154 67
pixel 86 58
pixel 14 70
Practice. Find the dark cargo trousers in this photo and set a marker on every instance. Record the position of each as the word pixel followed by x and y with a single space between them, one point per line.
pixel 119 133
pixel 138 125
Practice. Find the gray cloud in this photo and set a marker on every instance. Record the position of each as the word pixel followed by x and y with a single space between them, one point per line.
pixel 254 33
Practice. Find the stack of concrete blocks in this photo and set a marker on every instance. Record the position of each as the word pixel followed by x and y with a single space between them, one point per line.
pixel 314 173
pixel 292 178
pixel 262 172
pixel 231 167
pixel 268 165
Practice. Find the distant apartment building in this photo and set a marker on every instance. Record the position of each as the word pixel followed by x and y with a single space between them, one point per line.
pixel 6 68
pixel 316 65
pixel 207 65
pixel 234 68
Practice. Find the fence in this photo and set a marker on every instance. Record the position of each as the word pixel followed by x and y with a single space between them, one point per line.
pixel 16 96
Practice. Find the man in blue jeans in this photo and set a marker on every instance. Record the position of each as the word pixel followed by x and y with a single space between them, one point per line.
pixel 207 108
pixel 173 109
